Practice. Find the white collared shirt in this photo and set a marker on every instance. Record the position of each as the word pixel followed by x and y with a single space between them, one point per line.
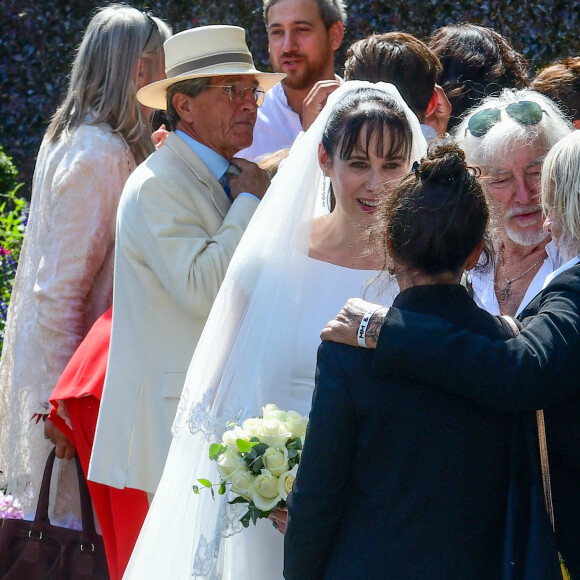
pixel 217 164
pixel 277 125
pixel 561 269
pixel 483 283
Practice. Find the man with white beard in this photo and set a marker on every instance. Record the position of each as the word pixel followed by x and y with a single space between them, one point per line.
pixel 507 137
pixel 303 36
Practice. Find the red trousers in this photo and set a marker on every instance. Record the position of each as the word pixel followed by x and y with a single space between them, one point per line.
pixel 121 512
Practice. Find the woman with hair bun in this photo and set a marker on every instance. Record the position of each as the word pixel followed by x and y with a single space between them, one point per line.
pixel 65 275
pixel 398 479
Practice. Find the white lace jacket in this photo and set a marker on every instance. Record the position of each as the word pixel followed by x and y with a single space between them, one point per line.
pixel 63 284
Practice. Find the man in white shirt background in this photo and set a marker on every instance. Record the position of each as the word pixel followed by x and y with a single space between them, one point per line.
pixel 303 36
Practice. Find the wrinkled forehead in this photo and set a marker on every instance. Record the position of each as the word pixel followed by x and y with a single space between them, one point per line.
pixel 513 153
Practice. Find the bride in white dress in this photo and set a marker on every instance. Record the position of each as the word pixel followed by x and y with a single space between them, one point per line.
pixel 290 274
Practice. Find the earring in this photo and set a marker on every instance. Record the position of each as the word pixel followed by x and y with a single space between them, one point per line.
pixel 326 192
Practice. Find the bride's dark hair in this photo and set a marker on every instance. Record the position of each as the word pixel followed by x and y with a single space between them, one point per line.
pixel 375 111
pixel 436 216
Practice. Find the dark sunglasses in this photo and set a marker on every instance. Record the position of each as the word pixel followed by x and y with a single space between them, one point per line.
pixel 524 112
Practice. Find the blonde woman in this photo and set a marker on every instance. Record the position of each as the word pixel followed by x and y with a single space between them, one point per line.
pixel 65 277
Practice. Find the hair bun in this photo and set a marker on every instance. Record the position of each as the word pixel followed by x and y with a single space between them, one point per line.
pixel 445 163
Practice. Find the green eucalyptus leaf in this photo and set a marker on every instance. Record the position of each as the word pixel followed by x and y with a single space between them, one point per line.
pixel 222 488
pixel 215 450
pixel 195 489
pixel 238 499
pixel 245 519
pixel 244 446
pixel 257 465
pixel 205 482
pixel 260 448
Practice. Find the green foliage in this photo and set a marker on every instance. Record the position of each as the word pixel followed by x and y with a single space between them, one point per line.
pixel 215 450
pixel 8 172
pixel 293 446
pixel 13 219
pixel 34 66
pixel 254 453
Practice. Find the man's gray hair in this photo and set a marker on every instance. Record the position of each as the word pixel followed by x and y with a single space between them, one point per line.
pixel 331 11
pixel 189 87
pixel 495 146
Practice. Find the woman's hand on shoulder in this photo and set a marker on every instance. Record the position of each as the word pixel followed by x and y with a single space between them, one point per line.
pixel 158 137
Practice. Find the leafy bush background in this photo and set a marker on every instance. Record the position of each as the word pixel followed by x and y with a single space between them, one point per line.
pixel 39 37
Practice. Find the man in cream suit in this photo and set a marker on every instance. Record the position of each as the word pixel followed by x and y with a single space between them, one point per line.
pixel 181 216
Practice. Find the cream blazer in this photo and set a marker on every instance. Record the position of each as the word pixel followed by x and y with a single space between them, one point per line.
pixel 176 233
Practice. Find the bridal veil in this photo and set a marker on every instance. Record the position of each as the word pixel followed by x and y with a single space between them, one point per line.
pixel 241 357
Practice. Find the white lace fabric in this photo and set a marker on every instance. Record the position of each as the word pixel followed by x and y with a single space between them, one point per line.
pixel 241 358
pixel 63 284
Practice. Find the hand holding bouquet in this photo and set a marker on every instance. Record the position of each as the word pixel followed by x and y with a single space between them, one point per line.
pixel 259 460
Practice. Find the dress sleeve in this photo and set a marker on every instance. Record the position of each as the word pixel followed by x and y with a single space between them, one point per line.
pixel 82 224
pixel 316 504
pixel 533 371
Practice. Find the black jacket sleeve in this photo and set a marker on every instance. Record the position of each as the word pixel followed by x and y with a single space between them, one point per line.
pixel 533 371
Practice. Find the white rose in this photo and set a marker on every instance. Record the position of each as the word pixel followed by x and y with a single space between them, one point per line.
pixel 286 481
pixel 252 426
pixel 264 490
pixel 270 411
pixel 296 423
pixel 241 480
pixel 230 437
pixel 273 432
pixel 276 460
pixel 228 462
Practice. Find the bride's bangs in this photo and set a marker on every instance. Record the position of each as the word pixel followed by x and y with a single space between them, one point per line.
pixel 386 127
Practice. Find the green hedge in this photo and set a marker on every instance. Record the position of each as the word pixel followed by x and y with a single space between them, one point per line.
pixel 13 218
pixel 39 37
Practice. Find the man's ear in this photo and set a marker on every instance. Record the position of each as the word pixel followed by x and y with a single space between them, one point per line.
pixel 336 34
pixel 438 111
pixel 432 103
pixel 185 107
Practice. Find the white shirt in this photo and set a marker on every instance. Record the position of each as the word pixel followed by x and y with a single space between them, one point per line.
pixel 561 269
pixel 483 283
pixel 277 125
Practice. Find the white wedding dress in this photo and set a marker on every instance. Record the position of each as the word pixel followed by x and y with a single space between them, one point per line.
pixel 259 346
pixel 257 553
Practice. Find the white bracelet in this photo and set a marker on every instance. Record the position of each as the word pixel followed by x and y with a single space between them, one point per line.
pixel 362 329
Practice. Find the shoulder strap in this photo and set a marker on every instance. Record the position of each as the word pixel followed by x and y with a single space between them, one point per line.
pixel 541 440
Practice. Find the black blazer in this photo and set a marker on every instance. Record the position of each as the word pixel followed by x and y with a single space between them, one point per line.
pixel 397 479
pixel 538 369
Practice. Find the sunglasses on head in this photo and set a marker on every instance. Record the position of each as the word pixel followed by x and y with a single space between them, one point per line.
pixel 524 112
pixel 153 26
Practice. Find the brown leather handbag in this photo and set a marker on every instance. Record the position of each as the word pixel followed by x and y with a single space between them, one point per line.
pixel 38 550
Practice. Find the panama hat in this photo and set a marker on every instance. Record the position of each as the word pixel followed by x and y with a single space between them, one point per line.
pixel 207 51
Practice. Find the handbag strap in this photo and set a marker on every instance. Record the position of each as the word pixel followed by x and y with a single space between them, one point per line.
pixel 541 441
pixel 87 516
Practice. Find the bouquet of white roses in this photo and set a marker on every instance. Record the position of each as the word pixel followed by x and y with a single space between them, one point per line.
pixel 259 460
